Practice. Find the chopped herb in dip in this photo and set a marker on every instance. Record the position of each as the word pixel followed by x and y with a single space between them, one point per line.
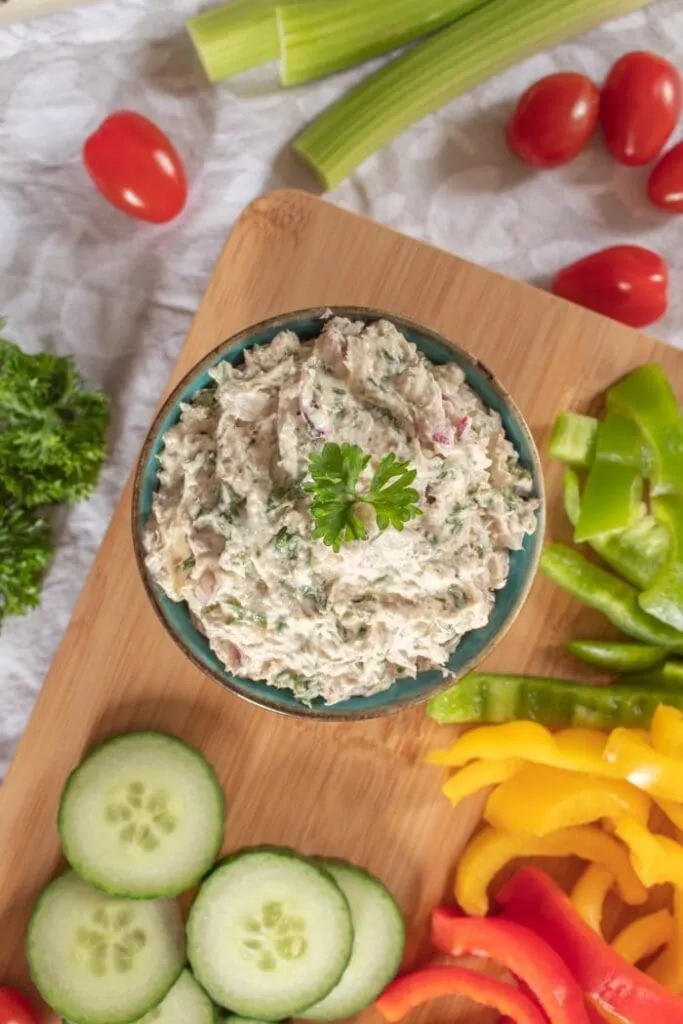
pixel 232 533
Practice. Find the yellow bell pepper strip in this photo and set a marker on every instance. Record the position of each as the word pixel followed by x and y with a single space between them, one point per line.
pixel 639 763
pixel 534 803
pixel 667 969
pixel 488 697
pixel 528 741
pixel 589 894
pixel 572 439
pixel 614 489
pixel 666 731
pixel 673 811
pixel 617 657
pixel 491 850
pixel 636 553
pixel 656 859
pixel 479 775
pixel 606 593
pixel 531 898
pixel 641 939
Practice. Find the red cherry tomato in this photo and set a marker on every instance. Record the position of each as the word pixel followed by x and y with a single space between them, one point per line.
pixel 625 282
pixel 554 119
pixel 665 187
pixel 136 167
pixel 15 1009
pixel 639 106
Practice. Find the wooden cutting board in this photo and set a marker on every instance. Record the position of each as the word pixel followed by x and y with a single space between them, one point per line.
pixel 358 791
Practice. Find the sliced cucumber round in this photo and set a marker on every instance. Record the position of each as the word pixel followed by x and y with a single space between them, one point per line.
pixel 269 933
pixel 378 944
pixel 232 1018
pixel 142 816
pixel 186 1003
pixel 94 957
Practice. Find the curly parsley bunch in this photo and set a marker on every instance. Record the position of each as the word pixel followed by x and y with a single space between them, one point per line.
pixel 52 446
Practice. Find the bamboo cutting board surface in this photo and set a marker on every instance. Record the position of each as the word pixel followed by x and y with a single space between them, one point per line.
pixel 350 790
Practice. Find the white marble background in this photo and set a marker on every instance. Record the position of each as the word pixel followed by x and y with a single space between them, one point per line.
pixel 78 277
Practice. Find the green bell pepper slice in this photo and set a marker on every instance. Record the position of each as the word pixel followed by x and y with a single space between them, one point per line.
pixel 614 488
pixel 606 593
pixel 572 439
pixel 636 553
pixel 617 657
pixel 556 703
pixel 646 397
pixel 668 676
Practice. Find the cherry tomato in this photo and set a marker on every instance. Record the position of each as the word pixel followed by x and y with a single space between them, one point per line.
pixel 136 167
pixel 665 187
pixel 625 282
pixel 639 106
pixel 554 119
pixel 15 1009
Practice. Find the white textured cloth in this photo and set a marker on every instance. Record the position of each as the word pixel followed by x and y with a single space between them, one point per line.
pixel 78 277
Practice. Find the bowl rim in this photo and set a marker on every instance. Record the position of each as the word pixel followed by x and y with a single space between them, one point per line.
pixel 280 322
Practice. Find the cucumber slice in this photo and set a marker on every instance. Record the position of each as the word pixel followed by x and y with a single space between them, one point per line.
pixel 378 944
pixel 269 933
pixel 94 957
pixel 186 1003
pixel 232 1018
pixel 142 816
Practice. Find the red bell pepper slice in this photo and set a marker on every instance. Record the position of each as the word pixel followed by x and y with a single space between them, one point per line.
pixel 522 952
pixel 412 990
pixel 532 899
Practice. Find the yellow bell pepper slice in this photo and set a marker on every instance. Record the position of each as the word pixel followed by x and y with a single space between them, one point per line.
pixel 643 766
pixel 478 775
pixel 667 731
pixel 656 859
pixel 573 749
pixel 490 851
pixel 673 811
pixel 589 894
pixel 667 969
pixel 535 803
pixel 643 937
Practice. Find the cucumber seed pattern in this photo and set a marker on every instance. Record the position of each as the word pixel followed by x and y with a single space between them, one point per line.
pixel 141 816
pixel 274 936
pixel 111 941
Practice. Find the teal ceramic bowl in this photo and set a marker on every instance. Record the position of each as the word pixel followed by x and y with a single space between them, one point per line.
pixel 473 647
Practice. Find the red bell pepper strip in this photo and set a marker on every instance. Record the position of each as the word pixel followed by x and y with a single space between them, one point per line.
pixel 532 899
pixel 526 956
pixel 412 990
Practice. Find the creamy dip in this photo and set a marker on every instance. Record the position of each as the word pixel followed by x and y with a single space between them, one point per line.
pixel 231 531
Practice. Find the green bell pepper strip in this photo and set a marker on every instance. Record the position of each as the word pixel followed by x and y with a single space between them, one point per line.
pixel 572 440
pixel 668 676
pixel 646 397
pixel 614 489
pixel 636 553
pixel 617 657
pixel 599 589
pixel 556 703
pixel 664 597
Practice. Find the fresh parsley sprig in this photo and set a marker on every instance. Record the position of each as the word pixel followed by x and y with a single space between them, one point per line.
pixel 335 476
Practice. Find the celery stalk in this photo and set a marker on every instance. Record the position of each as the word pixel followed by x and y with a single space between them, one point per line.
pixel 481 44
pixel 320 38
pixel 235 36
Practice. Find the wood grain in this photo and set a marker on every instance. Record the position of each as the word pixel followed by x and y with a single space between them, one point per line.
pixel 357 791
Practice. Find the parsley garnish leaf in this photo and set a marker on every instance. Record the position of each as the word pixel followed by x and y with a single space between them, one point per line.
pixel 335 476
